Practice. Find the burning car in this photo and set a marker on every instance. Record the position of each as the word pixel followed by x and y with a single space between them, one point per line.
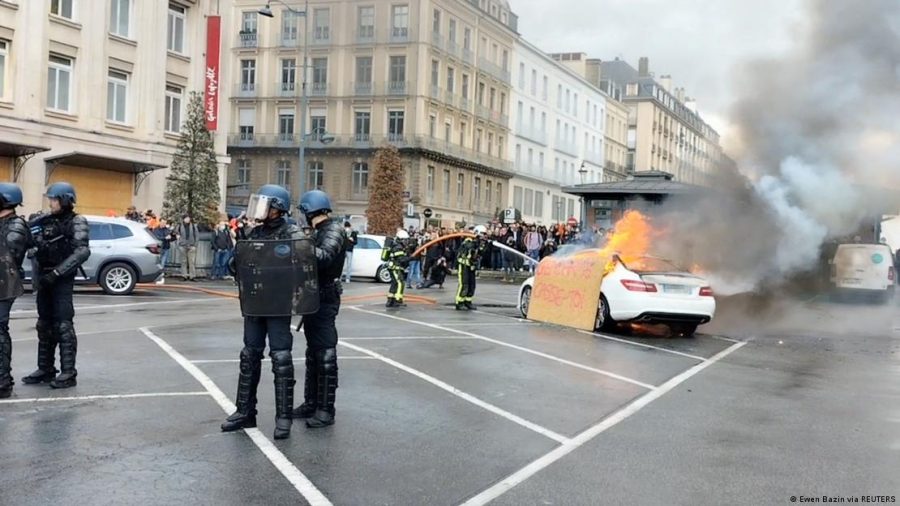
pixel 646 290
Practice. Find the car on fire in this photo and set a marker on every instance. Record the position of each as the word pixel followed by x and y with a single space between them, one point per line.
pixel 649 290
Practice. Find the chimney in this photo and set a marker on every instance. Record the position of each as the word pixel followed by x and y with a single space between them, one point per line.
pixel 679 94
pixel 644 67
pixel 666 82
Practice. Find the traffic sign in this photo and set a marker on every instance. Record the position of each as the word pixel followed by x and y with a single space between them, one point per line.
pixel 572 221
pixel 427 212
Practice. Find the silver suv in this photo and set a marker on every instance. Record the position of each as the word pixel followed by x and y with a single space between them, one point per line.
pixel 123 254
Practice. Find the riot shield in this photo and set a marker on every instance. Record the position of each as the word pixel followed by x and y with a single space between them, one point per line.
pixel 277 277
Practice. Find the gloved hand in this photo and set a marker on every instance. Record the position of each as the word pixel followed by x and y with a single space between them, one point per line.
pixel 48 280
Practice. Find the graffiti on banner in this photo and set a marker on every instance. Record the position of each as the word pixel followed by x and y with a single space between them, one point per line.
pixel 567 289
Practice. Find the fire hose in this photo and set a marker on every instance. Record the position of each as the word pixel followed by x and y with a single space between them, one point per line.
pixel 422 248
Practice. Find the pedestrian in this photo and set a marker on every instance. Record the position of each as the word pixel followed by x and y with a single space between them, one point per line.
pixel 467 258
pixel 437 274
pixel 133 215
pixel 164 235
pixel 222 245
pixel 186 237
pixel 350 239
pixel 319 328
pixel 533 245
pixel 62 238
pixel 15 239
pixel 415 262
pixel 258 328
pixel 397 258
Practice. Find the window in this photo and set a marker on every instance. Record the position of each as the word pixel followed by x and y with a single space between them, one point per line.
pixel 317 125
pixel 493 99
pixel 448 130
pixel 395 125
pixel 286 124
pixel 487 192
pixel 575 105
pixel 435 73
pixel 533 82
pixel 360 178
pixel 478 134
pixel 460 187
pixel 480 93
pixel 116 96
pixel 518 156
pixel 283 173
pixel 436 22
pixel 4 50
pixel 452 32
pixel 522 76
pixel 490 143
pixel 248 75
pixel 100 231
pixel 568 100
pixel 316 172
pixel 62 8
pixel 120 17
pixel 571 207
pixel 467 38
pixel 499 194
pixel 363 69
pixel 288 74
pixel 400 21
pixel 429 183
pixel 321 32
pixel 559 96
pixel 502 103
pixel 249 22
pixel 59 83
pixel 173 108
pixel 398 70
pixel 545 88
pixel 175 34
pixel 246 123
pixel 517 197
pixel 288 28
pixel 500 152
pixel 529 202
pixel 363 125
pixel 446 186
pixel 451 77
pixel 541 162
pixel 462 134
pixel 504 61
pixel 367 22
pixel 320 74
pixel 432 125
pixel 543 123
pixel 243 171
pixel 476 190
pixel 465 86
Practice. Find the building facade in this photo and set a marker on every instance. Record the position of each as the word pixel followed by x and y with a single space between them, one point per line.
pixel 558 121
pixel 431 77
pixel 94 93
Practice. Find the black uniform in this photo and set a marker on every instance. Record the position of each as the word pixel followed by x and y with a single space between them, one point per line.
pixel 467 258
pixel 62 241
pixel 15 239
pixel 321 333
pixel 397 257
pixel 281 341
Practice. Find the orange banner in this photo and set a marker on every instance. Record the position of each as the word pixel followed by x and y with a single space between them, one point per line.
pixel 567 289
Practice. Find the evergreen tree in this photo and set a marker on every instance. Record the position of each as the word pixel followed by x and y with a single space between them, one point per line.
pixel 193 184
pixel 385 212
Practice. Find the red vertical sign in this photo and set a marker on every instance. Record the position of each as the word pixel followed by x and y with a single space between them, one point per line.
pixel 211 99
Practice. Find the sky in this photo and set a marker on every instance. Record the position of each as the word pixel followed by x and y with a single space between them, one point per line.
pixel 697 42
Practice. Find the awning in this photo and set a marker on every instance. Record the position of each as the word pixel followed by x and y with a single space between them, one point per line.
pixel 20 153
pixel 140 169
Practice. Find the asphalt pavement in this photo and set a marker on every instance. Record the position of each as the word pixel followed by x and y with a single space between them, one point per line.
pixel 435 406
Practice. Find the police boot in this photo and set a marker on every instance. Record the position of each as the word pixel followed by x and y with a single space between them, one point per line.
pixel 248 379
pixel 6 380
pixel 46 358
pixel 283 369
pixel 68 348
pixel 327 370
pixel 308 408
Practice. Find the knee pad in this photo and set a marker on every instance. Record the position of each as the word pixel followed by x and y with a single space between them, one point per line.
pixel 326 360
pixel 282 362
pixel 251 354
pixel 65 330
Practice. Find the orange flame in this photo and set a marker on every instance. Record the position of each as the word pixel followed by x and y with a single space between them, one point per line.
pixel 631 238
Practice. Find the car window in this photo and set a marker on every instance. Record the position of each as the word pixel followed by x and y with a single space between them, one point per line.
pixel 366 243
pixel 121 232
pixel 100 232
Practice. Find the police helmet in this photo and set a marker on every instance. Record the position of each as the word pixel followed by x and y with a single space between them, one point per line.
pixel 314 203
pixel 10 195
pixel 401 234
pixel 62 191
pixel 279 198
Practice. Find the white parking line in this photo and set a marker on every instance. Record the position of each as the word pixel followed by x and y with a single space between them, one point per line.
pixel 133 304
pixel 104 397
pixel 459 393
pixel 401 338
pixel 87 333
pixel 576 442
pixel 285 466
pixel 642 345
pixel 516 347
pixel 496 324
pixel 723 338
pixel 236 360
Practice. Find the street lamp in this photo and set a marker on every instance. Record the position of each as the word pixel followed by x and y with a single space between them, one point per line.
pixel 582 172
pixel 304 101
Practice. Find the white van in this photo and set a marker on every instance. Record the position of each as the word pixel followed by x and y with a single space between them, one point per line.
pixel 864 269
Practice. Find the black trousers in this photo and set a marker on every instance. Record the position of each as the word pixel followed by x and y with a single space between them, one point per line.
pixel 54 304
pixel 277 328
pixel 319 327
pixel 398 282
pixel 5 344
pixel 466 284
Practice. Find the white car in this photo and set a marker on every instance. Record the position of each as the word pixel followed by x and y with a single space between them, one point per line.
pixel 658 292
pixel 367 259
pixel 864 269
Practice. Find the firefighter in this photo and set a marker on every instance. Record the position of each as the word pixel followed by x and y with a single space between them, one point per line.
pixel 467 259
pixel 62 239
pixel 396 254
pixel 15 238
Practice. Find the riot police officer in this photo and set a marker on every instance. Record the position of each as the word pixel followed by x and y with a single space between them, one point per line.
pixel 467 257
pixel 274 226
pixel 62 238
pixel 15 239
pixel 397 258
pixel 319 328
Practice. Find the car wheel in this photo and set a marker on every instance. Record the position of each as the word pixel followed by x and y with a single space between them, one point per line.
pixel 118 279
pixel 604 321
pixel 684 329
pixel 524 301
pixel 383 275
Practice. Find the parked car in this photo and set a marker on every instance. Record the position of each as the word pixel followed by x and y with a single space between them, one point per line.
pixel 656 292
pixel 864 269
pixel 123 254
pixel 367 259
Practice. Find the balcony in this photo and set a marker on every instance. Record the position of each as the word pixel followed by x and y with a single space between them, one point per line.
pixel 399 34
pixel 321 36
pixel 453 47
pixel 361 140
pixel 467 56
pixel 286 140
pixel 243 140
pixel 493 69
pixel 532 133
pixel 437 41
pixel 245 90
pixel 286 89
pixel 449 148
pixel 465 104
pixel 396 87
pixel 289 39
pixel 491 115
pixel 435 92
pixel 319 90
pixel 365 35
pixel 362 88
pixel 450 99
pixel 248 39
